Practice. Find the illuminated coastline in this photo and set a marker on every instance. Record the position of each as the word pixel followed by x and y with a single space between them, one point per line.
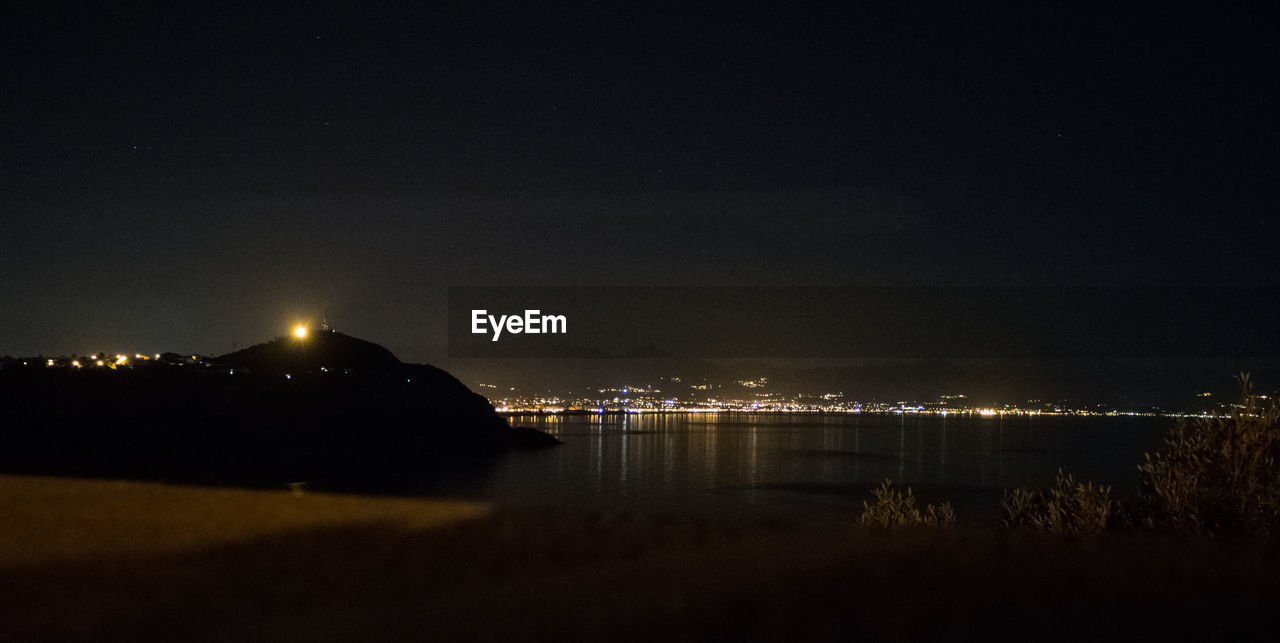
pixel 557 406
pixel 753 398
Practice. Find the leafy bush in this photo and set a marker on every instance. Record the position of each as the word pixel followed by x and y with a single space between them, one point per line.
pixel 1218 475
pixel 892 509
pixel 1070 507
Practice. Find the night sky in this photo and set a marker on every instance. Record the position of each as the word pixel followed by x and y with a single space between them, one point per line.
pixel 195 178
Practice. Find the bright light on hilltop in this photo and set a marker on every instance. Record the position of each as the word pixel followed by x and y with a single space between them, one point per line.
pixel 300 331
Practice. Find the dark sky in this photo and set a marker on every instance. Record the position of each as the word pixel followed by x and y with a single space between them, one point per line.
pixel 189 178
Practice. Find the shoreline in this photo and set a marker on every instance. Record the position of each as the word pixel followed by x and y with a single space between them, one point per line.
pixel 970 413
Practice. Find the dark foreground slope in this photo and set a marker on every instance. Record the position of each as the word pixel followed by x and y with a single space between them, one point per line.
pixel 286 407
pixel 591 574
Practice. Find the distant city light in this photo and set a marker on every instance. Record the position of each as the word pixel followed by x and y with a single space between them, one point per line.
pixel 300 331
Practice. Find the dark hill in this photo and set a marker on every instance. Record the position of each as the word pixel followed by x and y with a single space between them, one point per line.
pixel 284 409
pixel 323 349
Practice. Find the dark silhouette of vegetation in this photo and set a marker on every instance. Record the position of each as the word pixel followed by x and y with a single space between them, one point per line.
pixel 1217 475
pixel 1213 476
pixel 1069 507
pixel 892 509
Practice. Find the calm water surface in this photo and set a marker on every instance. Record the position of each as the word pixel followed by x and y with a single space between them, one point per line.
pixel 818 465
pixel 811 466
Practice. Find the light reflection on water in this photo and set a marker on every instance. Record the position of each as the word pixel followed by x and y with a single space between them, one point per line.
pixel 819 464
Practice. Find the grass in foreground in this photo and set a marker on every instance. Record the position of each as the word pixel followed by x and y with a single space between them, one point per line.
pixel 59 519
pixel 339 571
pixel 1069 507
pixel 890 509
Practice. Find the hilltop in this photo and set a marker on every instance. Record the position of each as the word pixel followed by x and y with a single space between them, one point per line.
pixel 325 349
